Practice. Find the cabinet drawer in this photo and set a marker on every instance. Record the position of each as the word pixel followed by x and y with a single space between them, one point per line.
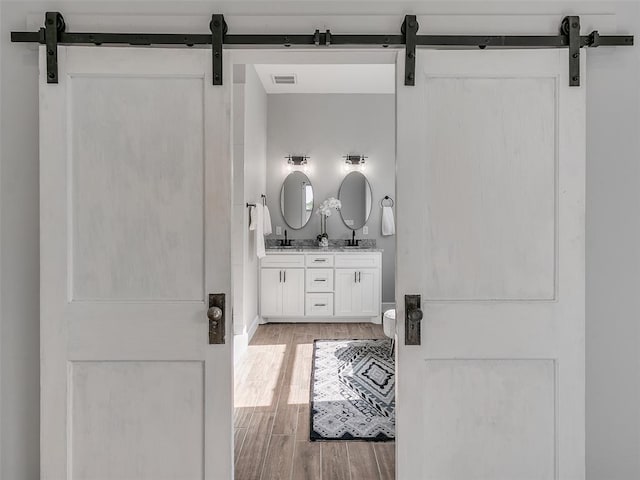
pixel 363 260
pixel 320 261
pixel 319 304
pixel 282 261
pixel 320 280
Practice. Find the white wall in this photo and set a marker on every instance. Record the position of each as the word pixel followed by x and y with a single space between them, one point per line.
pixel 613 200
pixel 613 258
pixel 325 127
pixel 249 151
pixel 19 258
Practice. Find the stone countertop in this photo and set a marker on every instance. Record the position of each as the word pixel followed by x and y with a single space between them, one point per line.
pixel 302 245
pixel 330 249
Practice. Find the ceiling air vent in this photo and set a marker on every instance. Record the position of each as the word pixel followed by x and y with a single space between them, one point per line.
pixel 289 79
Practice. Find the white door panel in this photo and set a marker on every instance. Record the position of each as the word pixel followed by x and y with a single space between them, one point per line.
pixel 123 159
pixel 135 195
pixel 490 233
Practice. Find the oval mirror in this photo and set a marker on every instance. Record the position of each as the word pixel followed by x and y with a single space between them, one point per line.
pixel 296 200
pixel 355 195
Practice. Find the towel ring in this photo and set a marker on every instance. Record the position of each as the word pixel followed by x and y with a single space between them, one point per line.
pixel 387 197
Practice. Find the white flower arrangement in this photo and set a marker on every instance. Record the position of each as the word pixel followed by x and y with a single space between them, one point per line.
pixel 329 204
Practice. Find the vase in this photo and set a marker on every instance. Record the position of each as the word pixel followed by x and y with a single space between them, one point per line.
pixel 323 238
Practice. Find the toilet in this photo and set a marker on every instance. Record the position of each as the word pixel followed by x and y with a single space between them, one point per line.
pixel 389 327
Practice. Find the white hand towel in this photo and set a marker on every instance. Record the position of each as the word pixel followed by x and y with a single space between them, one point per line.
pixel 260 253
pixel 267 221
pixel 252 218
pixel 388 222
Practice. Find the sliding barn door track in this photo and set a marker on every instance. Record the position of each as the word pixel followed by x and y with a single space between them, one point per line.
pixel 54 33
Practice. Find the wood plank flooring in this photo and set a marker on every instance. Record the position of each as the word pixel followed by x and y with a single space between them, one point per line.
pixel 271 418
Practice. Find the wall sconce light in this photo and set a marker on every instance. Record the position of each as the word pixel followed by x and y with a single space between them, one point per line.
pixel 353 162
pixel 297 162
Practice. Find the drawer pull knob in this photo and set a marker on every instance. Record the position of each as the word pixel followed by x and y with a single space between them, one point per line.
pixel 319 304
pixel 320 280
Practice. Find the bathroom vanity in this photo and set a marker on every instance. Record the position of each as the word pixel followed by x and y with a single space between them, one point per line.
pixel 334 284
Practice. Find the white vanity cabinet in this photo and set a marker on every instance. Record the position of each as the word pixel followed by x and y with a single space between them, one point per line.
pixel 320 286
pixel 282 286
pixel 357 292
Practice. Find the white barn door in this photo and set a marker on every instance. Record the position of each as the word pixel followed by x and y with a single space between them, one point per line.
pixel 135 178
pixel 490 187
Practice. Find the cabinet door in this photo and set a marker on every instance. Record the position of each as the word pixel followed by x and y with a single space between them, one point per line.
pixel 271 292
pixel 369 292
pixel 346 301
pixel 293 292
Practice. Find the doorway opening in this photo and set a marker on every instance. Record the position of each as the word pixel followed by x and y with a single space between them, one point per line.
pixel 314 362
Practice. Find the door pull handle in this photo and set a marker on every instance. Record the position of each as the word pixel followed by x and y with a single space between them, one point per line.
pixel 359 277
pixel 413 317
pixel 215 313
pixel 285 276
pixel 280 276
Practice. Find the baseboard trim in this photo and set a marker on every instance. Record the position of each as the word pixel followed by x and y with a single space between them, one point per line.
pixel 253 327
pixel 241 340
pixel 240 346
pixel 323 320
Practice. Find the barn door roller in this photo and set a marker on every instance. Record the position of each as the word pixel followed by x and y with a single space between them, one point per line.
pixel 53 34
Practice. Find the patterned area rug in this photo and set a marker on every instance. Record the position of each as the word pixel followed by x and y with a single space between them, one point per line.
pixel 352 390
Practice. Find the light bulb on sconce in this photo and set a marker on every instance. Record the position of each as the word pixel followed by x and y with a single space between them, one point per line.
pixel 297 162
pixel 353 162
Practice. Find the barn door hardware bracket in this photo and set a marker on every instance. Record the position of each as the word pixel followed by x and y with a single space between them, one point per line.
pixel 571 28
pixel 53 26
pixel 409 31
pixel 218 29
pixel 54 33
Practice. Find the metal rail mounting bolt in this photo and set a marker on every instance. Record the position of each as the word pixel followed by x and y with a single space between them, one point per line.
pixel 409 32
